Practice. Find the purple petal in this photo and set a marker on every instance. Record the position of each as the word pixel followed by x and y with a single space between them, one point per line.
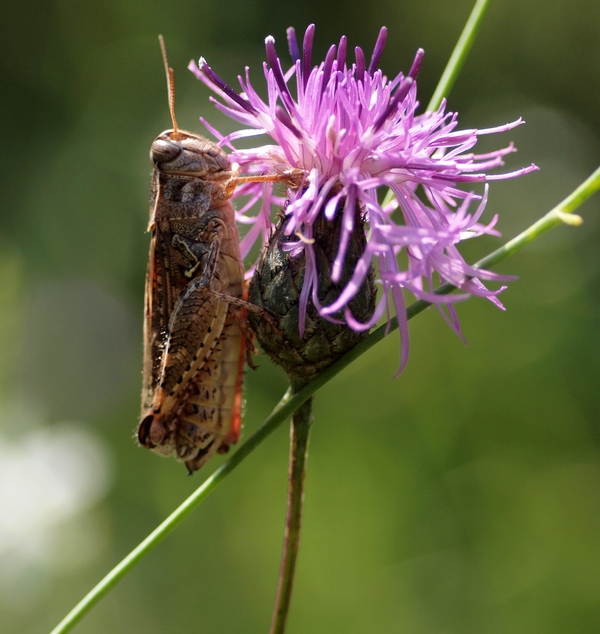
pixel 400 308
pixel 399 96
pixel 307 51
pixel 360 63
pixel 416 65
pixel 278 73
pixel 283 116
pixel 378 50
pixel 359 326
pixel 204 68
pixel 310 280
pixel 360 272
pixel 341 55
pixel 293 44
pixel 347 229
pixel 524 170
pixel 326 73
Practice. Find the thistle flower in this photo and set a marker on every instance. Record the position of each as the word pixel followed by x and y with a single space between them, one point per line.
pixel 353 133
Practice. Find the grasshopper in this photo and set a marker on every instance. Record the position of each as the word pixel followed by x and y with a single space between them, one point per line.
pixel 195 332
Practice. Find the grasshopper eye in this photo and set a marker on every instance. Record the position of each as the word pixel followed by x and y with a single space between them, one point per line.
pixel 144 431
pixel 164 151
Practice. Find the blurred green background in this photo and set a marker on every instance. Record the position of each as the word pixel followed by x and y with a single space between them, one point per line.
pixel 462 497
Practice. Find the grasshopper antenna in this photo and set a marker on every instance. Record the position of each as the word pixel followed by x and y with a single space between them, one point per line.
pixel 170 85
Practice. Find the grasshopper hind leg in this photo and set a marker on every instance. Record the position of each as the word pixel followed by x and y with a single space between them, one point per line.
pixel 202 456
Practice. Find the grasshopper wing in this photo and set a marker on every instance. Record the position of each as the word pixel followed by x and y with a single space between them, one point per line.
pixel 194 331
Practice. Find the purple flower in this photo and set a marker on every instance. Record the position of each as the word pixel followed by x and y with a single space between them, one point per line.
pixel 353 133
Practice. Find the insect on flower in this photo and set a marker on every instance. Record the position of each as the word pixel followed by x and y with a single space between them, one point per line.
pixel 195 334
pixel 356 134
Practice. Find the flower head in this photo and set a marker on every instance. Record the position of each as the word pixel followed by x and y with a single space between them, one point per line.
pixel 353 133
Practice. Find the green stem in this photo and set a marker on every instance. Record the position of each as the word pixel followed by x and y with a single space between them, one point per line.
pixel 455 63
pixel 562 213
pixel 299 434
pixel 459 55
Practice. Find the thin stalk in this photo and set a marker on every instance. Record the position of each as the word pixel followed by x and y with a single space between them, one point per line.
pixel 299 434
pixel 561 214
pixel 459 54
pixel 455 63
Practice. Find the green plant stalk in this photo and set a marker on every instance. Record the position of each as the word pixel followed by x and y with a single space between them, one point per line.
pixel 299 434
pixel 459 54
pixel 455 63
pixel 561 214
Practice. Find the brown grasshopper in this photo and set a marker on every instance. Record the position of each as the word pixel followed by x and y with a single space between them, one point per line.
pixel 195 333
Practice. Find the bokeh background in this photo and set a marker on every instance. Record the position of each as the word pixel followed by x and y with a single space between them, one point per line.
pixel 461 497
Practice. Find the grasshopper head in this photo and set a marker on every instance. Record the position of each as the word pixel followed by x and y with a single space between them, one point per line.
pixel 179 152
pixel 188 154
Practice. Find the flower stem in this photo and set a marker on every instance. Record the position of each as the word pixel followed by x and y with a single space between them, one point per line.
pixel 289 403
pixel 299 434
pixel 455 63
pixel 459 55
pixel 561 214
